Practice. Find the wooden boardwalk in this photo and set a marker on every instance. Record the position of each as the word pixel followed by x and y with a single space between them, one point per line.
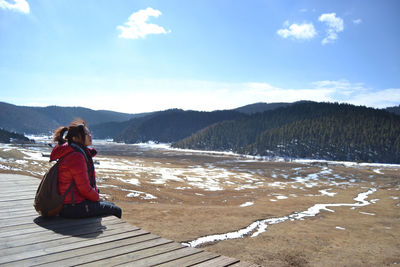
pixel 29 240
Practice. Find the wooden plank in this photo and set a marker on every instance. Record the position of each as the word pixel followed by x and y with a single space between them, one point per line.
pixel 72 250
pixel 53 223
pixel 220 261
pixel 111 253
pixel 133 256
pixel 45 234
pixel 13 194
pixel 33 238
pixel 8 210
pixel 16 203
pixel 39 220
pixel 190 260
pixel 21 182
pixel 17 211
pixel 164 257
pixel 17 197
pixel 60 224
pixel 13 215
pixel 19 179
pixel 19 188
pixel 9 189
pixel 110 234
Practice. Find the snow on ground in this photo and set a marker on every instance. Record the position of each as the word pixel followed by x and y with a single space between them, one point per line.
pixel 142 195
pixel 260 226
pixel 250 203
pixel 326 193
pixel 367 213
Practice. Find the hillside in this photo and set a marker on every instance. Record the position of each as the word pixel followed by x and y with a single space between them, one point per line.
pixel 307 130
pixel 39 120
pixel 172 125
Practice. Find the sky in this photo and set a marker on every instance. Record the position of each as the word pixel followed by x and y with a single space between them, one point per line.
pixel 141 56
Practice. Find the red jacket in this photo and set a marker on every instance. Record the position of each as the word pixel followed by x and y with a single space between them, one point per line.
pixel 71 168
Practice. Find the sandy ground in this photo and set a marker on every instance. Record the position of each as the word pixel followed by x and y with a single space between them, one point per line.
pixel 184 195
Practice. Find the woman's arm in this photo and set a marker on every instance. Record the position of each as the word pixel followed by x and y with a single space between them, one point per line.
pixel 79 171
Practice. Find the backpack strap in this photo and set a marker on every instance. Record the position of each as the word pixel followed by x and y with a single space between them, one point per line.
pixel 79 149
pixel 69 189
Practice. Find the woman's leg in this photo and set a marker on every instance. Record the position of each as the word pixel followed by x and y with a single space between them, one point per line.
pixel 90 209
pixel 103 208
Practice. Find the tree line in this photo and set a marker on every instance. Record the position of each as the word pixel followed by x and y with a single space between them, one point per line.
pixel 329 131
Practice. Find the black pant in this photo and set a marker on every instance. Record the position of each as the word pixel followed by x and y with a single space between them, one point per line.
pixel 90 209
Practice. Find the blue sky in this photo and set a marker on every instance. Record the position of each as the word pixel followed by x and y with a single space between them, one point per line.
pixel 140 56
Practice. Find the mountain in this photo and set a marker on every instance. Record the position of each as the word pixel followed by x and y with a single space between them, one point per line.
pixel 43 120
pixel 110 124
pixel 307 130
pixel 260 107
pixel 172 125
pixel 9 137
pixel 395 110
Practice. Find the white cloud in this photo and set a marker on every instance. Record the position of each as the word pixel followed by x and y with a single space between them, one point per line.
pixel 342 87
pixel 380 99
pixel 359 94
pixel 264 92
pixel 335 25
pixel 15 5
pixel 137 27
pixel 298 31
pixel 357 21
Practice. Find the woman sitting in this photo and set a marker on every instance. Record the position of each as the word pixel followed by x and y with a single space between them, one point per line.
pixel 76 168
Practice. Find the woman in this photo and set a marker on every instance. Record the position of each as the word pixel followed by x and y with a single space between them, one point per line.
pixel 76 168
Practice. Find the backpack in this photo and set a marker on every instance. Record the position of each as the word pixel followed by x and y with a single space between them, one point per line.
pixel 48 202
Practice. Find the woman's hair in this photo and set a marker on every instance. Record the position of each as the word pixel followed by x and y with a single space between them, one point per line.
pixel 75 129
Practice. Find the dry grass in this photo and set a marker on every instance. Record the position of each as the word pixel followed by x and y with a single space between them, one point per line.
pixel 344 237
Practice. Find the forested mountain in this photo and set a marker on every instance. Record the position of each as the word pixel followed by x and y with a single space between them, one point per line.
pixel 37 120
pixel 395 110
pixel 307 130
pixel 9 137
pixel 111 130
pixel 122 126
pixel 260 107
pixel 172 125
pixel 303 129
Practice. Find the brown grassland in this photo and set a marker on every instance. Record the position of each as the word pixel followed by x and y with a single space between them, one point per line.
pixel 184 195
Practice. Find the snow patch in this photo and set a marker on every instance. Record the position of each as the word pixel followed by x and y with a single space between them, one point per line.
pixel 247 204
pixel 367 213
pixel 326 193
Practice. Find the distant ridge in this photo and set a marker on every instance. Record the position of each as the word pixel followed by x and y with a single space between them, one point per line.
pixel 172 125
pixel 40 120
pixel 395 110
pixel 261 107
